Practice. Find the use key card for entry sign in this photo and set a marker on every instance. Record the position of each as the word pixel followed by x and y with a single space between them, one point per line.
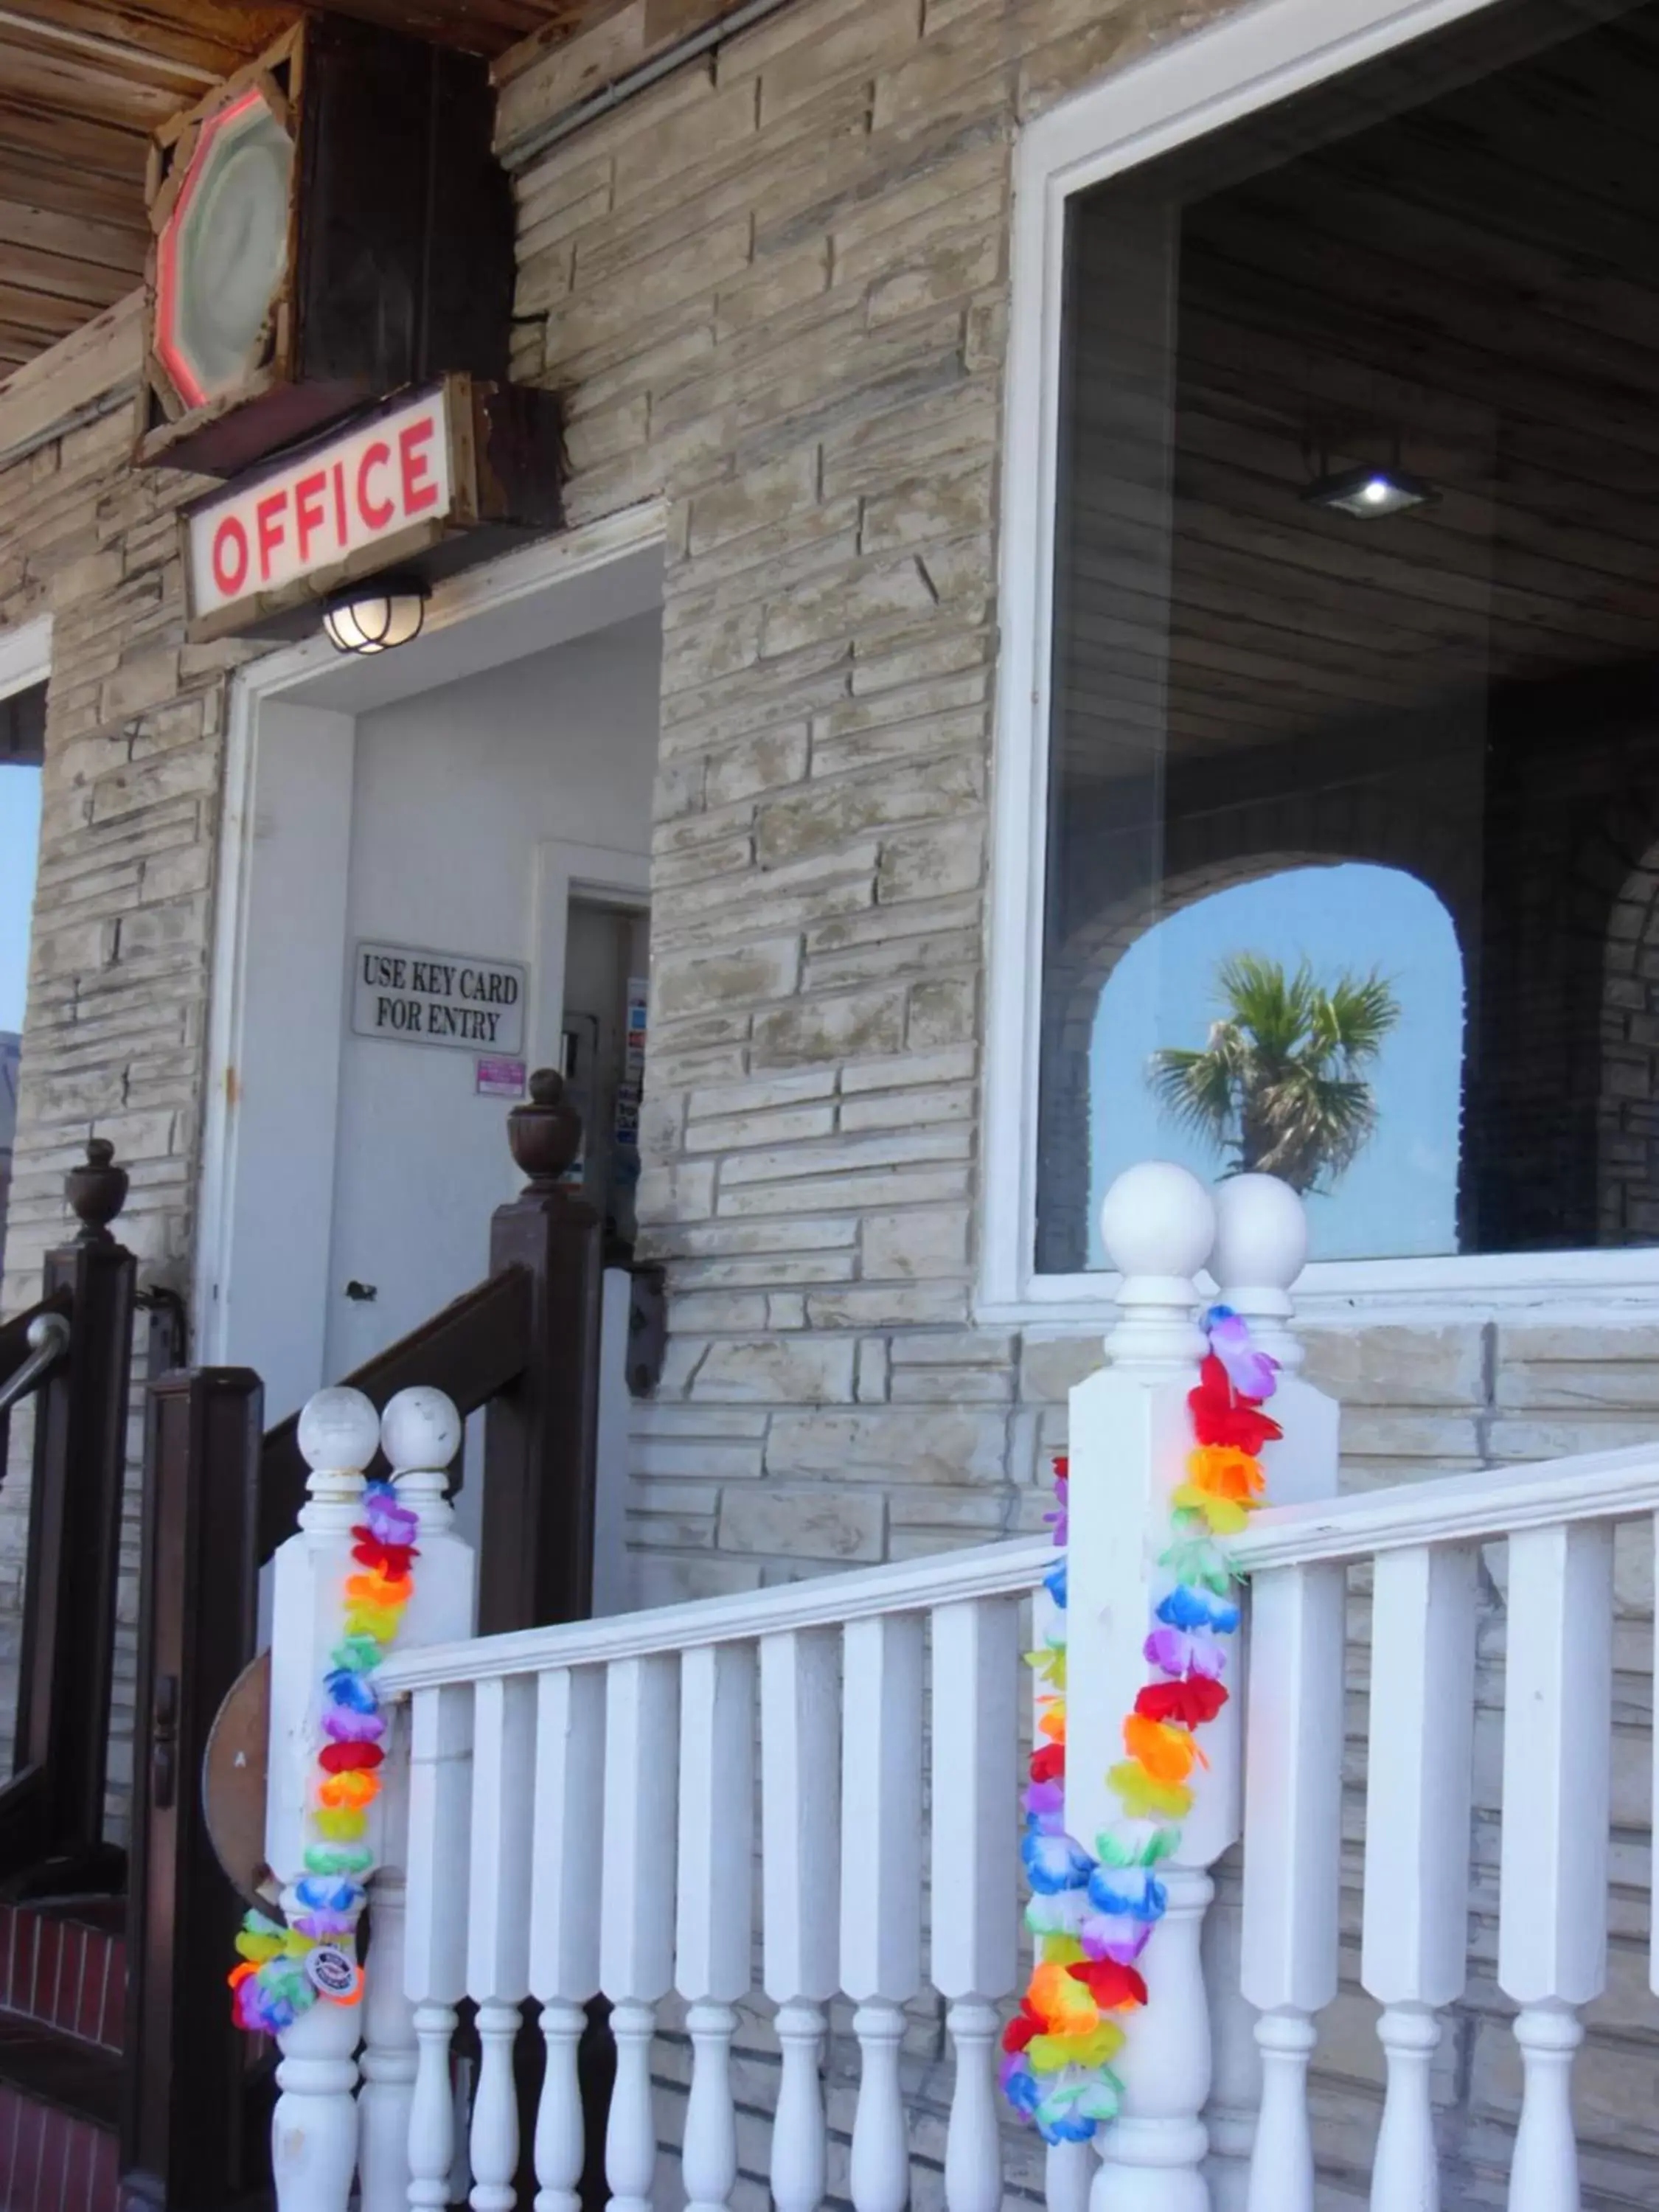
pixel 414 996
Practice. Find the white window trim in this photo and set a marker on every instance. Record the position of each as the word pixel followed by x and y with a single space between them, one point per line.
pixel 25 655
pixel 1259 56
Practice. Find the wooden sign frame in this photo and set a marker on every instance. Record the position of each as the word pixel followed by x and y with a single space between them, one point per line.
pixel 399 261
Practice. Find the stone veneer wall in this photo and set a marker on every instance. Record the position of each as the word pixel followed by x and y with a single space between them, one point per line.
pixel 774 290
pixel 112 1042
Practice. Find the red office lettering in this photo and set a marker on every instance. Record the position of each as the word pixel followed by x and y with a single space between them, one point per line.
pixel 379 512
pixel 308 509
pixel 419 490
pixel 268 520
pixel 229 555
pixel 341 523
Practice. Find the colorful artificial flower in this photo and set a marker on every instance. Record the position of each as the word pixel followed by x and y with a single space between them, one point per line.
pixel 1093 1914
pixel 269 1986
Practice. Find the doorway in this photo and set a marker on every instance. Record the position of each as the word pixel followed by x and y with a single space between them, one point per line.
pixel 432 817
pixel 602 1044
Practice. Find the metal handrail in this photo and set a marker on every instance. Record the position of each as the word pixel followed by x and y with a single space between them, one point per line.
pixel 48 1339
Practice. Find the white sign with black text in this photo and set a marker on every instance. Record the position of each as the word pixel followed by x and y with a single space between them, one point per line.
pixel 417 997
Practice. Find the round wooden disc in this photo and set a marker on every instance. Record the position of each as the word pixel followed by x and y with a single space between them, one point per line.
pixel 234 1783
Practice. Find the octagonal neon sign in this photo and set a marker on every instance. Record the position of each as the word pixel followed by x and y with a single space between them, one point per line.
pixel 223 249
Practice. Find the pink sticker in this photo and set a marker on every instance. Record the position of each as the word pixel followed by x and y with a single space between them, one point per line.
pixel 500 1078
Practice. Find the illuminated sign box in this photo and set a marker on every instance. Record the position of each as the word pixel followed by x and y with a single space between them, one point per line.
pixel 429 483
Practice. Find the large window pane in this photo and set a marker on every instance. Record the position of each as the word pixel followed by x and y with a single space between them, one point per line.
pixel 1353 843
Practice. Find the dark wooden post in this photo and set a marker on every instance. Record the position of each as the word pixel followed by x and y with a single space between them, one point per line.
pixel 51 1820
pixel 536 1561
pixel 184 2124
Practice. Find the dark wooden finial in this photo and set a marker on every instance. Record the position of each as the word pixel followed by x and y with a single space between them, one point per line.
pixel 546 1134
pixel 96 1192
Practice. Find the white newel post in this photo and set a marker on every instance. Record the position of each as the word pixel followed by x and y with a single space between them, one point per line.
pixel 1260 1245
pixel 1130 1436
pixel 316 2128
pixel 313 2139
pixel 420 1435
pixel 320 2133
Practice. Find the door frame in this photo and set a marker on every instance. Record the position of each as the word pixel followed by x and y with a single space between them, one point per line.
pixel 564 871
pixel 285 1251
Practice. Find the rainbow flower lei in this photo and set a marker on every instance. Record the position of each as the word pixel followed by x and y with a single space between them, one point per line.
pixel 1093 1916
pixel 285 1968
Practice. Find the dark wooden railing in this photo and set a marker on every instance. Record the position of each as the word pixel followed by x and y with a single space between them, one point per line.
pixel 52 1810
pixel 193 2116
pixel 219 1497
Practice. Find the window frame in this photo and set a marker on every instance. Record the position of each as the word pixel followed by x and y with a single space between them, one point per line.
pixel 1255 57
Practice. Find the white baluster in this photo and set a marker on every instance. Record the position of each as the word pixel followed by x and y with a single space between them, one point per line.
pixel 800 1758
pixel 1068 2173
pixel 387 2062
pixel 1068 2169
pixel 715 1918
pixel 564 1919
pixel 1130 1440
pixel 435 1966
pixel 313 2143
pixel 880 1887
pixel 636 1908
pixel 973 1954
pixel 561 2149
pixel 1261 1244
pixel 1417 1857
pixel 1235 2072
pixel 498 1917
pixel 1552 1909
pixel 1292 1846
pixel 420 1435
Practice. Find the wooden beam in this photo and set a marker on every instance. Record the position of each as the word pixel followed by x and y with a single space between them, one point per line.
pixel 96 364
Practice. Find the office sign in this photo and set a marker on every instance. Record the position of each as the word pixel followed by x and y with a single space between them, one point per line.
pixel 409 995
pixel 342 502
pixel 426 484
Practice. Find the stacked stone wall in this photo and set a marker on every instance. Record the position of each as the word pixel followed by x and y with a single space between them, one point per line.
pixel 113 1034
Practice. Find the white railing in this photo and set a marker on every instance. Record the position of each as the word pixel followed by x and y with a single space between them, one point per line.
pixel 827 1775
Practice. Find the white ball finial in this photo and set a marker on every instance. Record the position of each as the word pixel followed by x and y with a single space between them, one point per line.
pixel 1158 1220
pixel 420 1431
pixel 339 1432
pixel 1261 1234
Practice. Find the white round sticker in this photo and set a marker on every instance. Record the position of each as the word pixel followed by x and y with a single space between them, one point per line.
pixel 333 1972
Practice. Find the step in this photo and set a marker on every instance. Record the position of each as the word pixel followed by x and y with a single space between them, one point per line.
pixel 63 1964
pixel 59 2098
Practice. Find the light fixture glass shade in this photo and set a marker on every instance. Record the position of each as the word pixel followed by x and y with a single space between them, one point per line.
pixel 222 250
pixel 375 615
pixel 1370 492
